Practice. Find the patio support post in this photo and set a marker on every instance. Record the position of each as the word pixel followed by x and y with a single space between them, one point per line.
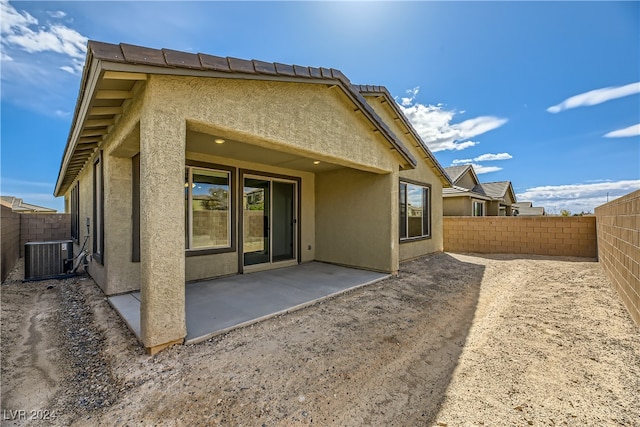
pixel 162 260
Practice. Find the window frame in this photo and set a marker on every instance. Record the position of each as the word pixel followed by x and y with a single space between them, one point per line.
pixel 98 209
pixel 482 203
pixel 231 171
pixel 426 200
pixel 74 209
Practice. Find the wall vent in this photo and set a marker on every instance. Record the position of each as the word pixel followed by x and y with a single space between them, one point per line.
pixel 47 260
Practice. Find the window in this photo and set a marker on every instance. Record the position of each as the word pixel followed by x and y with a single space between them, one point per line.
pixel 98 210
pixel 478 208
pixel 207 208
pixel 135 205
pixel 415 211
pixel 75 212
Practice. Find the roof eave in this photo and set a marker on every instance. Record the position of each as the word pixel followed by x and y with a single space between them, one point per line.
pixel 91 67
pixel 108 57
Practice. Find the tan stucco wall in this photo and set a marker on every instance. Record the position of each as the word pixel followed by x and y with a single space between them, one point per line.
pixel 466 181
pixel 162 265
pixel 125 275
pixel 349 216
pixel 97 271
pixel 312 120
pixel 423 174
pixel 456 206
pixel 354 226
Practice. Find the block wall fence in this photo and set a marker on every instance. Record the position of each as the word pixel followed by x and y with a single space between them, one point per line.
pixel 10 230
pixel 618 225
pixel 544 235
pixel 41 227
pixel 20 228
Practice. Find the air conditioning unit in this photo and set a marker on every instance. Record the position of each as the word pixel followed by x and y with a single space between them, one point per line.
pixel 47 260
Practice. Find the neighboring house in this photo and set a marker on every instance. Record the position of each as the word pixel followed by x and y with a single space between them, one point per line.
pixel 191 166
pixel 470 197
pixel 502 195
pixel 527 209
pixel 18 205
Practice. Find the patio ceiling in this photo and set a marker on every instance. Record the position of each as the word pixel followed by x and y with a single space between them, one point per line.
pixel 198 142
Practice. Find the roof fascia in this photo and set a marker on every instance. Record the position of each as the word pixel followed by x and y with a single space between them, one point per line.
pixel 87 88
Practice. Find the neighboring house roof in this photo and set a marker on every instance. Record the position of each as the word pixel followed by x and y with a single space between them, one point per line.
pixel 18 205
pixel 527 209
pixel 456 191
pixel 499 190
pixel 92 120
pixel 486 191
pixel 456 172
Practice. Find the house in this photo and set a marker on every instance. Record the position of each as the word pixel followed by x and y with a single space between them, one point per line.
pixel 469 197
pixel 527 209
pixel 191 166
pixel 20 206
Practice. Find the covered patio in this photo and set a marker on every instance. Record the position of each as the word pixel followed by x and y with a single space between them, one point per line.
pixel 220 305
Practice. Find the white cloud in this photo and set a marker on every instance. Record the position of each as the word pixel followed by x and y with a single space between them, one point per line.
pixel 412 95
pixel 480 169
pixel 20 31
pixel 483 158
pixel 491 157
pixel 433 124
pixel 462 161
pixel 5 57
pixel 633 130
pixel 577 197
pixel 57 14
pixel 12 20
pixel 596 96
pixel 479 125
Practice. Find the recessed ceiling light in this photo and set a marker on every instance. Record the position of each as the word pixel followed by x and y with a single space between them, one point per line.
pixel 219 141
pixel 316 162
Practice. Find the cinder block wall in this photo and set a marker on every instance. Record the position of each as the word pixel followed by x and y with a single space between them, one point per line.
pixel 618 224
pixel 545 235
pixel 10 231
pixel 41 227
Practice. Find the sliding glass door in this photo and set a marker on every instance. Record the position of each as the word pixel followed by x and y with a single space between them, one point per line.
pixel 269 220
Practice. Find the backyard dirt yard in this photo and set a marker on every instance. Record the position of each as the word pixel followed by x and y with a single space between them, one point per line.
pixel 454 340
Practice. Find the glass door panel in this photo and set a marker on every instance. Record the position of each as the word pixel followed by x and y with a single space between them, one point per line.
pixel 256 208
pixel 283 221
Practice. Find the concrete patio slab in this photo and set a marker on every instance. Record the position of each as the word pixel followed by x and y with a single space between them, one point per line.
pixel 219 305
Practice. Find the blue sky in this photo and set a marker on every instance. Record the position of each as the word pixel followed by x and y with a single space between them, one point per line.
pixel 543 94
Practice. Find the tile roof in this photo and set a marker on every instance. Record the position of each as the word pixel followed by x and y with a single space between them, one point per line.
pixel 138 59
pixel 497 190
pixel 167 58
pixel 455 172
pixel 457 191
pixel 18 205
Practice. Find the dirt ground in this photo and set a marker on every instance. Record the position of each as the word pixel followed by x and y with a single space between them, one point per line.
pixel 454 340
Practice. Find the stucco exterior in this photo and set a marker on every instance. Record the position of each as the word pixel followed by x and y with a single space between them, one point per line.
pixel 344 155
